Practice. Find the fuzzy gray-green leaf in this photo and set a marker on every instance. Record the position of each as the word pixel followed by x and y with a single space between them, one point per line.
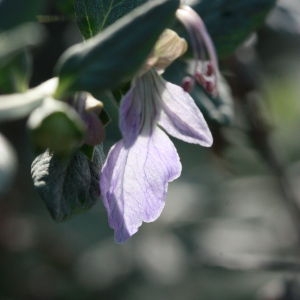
pixel 67 185
pixel 114 55
pixel 94 15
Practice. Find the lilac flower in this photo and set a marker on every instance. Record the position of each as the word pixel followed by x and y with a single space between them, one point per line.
pixel 135 176
pixel 205 73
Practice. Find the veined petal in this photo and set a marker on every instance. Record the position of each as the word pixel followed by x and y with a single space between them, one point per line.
pixel 180 116
pixel 139 109
pixel 130 116
pixel 134 181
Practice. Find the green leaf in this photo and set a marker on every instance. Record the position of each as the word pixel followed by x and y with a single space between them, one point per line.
pixel 15 73
pixel 15 106
pixel 114 55
pixel 8 164
pixel 15 12
pixel 94 15
pixel 57 126
pixel 230 22
pixel 67 185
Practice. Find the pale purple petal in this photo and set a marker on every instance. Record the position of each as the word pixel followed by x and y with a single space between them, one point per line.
pixel 138 109
pixel 180 116
pixel 130 116
pixel 134 181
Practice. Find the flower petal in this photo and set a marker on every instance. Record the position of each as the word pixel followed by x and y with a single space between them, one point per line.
pixel 138 109
pixel 180 116
pixel 130 116
pixel 134 181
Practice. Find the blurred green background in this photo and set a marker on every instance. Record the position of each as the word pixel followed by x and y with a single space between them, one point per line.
pixel 227 232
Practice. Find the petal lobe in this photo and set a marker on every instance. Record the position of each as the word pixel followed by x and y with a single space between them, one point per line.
pixel 134 181
pixel 181 117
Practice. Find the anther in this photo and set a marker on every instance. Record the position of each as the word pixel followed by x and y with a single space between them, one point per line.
pixel 209 69
pixel 187 84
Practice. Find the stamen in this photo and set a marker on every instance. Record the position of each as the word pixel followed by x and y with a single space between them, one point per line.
pixel 200 78
pixel 209 87
pixel 187 83
pixel 209 69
